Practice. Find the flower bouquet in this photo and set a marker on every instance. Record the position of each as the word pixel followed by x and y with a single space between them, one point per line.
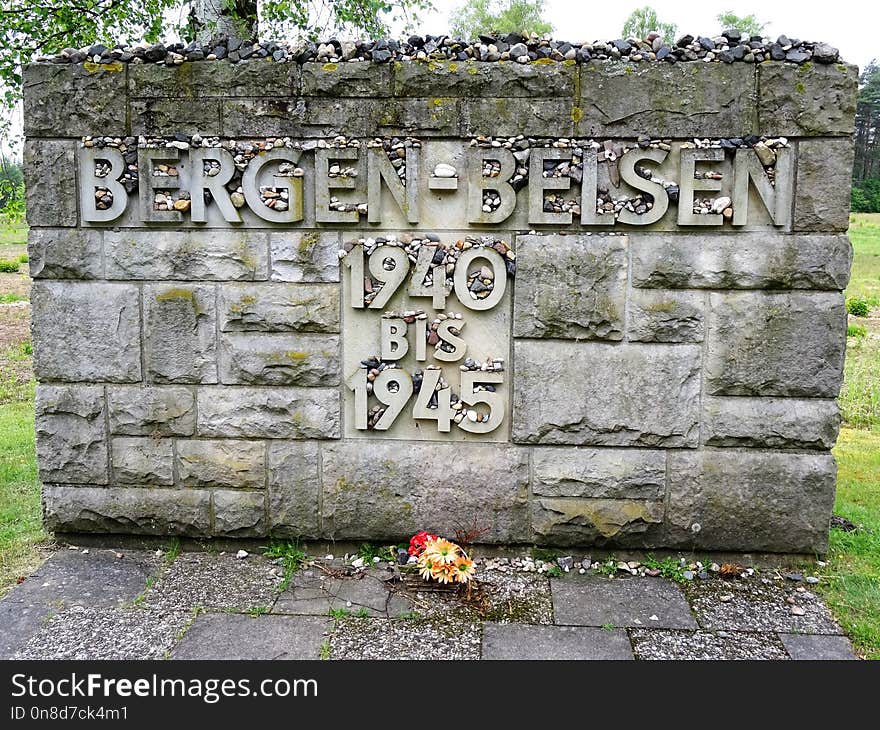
pixel 440 560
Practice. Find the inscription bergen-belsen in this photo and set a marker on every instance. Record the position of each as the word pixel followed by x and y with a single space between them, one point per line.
pixel 619 182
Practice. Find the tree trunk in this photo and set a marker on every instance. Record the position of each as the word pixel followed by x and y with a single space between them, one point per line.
pixel 232 18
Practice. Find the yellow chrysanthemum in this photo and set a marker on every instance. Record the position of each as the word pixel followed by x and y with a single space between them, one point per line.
pixel 442 551
pixel 464 569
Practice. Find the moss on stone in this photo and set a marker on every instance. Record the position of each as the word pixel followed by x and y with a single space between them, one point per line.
pixel 330 67
pixel 576 114
pixel 176 295
pixel 113 67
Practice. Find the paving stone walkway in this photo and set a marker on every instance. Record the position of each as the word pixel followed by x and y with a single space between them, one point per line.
pixel 122 604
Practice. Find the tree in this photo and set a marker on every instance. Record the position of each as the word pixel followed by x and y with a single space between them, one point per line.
pixel 746 24
pixel 643 21
pixel 29 28
pixel 502 16
pixel 866 170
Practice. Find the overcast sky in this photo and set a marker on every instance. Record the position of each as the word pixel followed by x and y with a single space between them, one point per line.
pixel 853 26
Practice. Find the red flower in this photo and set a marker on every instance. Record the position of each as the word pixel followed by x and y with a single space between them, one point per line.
pixel 417 542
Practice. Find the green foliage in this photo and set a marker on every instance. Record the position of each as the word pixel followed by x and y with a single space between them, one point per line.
pixel 291 557
pixel 173 552
pixel 368 551
pixel 866 167
pixel 325 650
pixel 670 567
pixel 12 297
pixel 548 556
pixel 9 267
pixel 338 613
pixel 745 24
pixel 502 16
pixel 643 21
pixel 258 610
pixel 865 195
pixel 554 572
pixel 362 613
pixel 856 330
pixel 608 568
pixel 858 307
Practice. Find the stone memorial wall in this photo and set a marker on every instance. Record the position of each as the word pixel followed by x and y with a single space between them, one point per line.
pixel 565 302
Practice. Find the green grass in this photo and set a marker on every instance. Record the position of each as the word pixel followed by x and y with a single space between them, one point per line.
pixel 860 395
pixel 864 232
pixel 851 581
pixel 292 558
pixel 13 235
pixel 20 528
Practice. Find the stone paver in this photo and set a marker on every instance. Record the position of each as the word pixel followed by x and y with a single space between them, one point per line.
pixel 316 594
pixel 108 604
pixel 70 578
pixel 620 602
pixel 238 636
pixel 523 641
pixel 813 647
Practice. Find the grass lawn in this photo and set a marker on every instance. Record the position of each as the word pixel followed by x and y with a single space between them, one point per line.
pixel 851 580
pixel 20 528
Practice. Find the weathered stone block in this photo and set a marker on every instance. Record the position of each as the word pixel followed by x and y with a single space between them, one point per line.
pixel 221 463
pixel 144 411
pixel 599 473
pixel 239 514
pixel 127 510
pixel 434 117
pixel 294 488
pixel 744 261
pixel 665 316
pixel 307 256
pixel 218 79
pixel 264 117
pixel 574 521
pixel 774 423
pixel 74 100
pixel 168 117
pixel 278 308
pixel 824 181
pixel 808 100
pixel 775 344
pixel 279 359
pixel 671 100
pixel 377 490
pixel 64 253
pixel 781 500
pixel 570 287
pixel 50 182
pixel 346 79
pixel 511 116
pixel 86 332
pixel 180 333
pixel 283 413
pixel 186 255
pixel 143 461
pixel 606 395
pixel 478 79
pixel 71 434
